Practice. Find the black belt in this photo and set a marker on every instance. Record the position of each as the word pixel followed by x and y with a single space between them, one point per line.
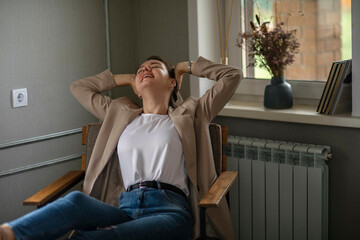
pixel 156 185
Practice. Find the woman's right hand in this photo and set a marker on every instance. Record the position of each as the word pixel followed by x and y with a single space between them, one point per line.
pixel 180 69
pixel 125 79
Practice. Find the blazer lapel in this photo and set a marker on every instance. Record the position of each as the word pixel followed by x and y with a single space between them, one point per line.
pixel 184 125
pixel 118 123
pixel 113 125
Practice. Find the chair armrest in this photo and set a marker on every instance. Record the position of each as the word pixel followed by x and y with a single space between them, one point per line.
pixel 218 190
pixel 55 189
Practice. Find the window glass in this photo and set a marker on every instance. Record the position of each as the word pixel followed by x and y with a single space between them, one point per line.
pixel 323 31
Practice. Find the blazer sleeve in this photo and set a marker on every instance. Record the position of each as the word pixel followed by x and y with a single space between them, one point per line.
pixel 227 80
pixel 88 92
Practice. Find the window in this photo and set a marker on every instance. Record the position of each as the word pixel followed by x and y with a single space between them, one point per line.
pixel 203 36
pixel 323 30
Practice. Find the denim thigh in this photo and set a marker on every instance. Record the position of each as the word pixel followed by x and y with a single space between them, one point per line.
pixel 156 214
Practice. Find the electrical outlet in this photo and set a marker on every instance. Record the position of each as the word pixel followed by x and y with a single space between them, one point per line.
pixel 19 97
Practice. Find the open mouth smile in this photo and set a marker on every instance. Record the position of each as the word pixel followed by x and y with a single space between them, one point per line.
pixel 147 76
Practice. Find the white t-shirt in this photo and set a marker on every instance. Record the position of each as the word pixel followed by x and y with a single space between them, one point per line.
pixel 150 149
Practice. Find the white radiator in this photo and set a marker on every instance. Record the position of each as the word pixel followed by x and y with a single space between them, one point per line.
pixel 282 189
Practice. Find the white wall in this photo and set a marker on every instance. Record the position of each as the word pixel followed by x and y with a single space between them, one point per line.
pixel 204 36
pixel 208 37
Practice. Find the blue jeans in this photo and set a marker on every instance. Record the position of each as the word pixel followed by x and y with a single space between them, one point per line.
pixel 145 213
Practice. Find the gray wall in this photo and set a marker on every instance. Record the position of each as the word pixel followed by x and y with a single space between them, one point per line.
pixel 141 28
pixel 45 45
pixel 344 177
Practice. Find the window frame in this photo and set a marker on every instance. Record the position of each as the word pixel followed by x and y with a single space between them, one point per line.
pixel 305 91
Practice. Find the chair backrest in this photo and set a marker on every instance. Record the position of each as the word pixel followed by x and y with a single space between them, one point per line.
pixel 90 134
pixel 218 136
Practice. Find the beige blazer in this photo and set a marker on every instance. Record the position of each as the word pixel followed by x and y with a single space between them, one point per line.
pixel 103 177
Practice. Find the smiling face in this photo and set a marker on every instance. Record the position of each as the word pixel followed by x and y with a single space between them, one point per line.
pixel 153 75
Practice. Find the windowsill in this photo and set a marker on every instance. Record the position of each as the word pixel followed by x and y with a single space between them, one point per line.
pixel 305 114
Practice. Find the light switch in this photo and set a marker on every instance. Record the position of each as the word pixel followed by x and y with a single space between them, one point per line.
pixel 19 97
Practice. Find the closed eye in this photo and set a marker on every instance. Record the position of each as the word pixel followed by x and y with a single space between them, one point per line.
pixel 151 66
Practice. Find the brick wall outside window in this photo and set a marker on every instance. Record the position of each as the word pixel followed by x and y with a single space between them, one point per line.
pixel 318 32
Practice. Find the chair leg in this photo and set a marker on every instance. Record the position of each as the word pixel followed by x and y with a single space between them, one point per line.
pixel 202 224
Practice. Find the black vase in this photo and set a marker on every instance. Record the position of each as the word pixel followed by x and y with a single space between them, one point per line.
pixel 278 94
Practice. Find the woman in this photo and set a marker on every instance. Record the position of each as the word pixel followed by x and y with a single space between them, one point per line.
pixel 165 143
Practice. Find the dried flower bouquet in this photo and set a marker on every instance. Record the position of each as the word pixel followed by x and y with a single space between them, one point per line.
pixel 275 48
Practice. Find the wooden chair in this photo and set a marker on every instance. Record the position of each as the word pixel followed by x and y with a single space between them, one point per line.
pixel 212 198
